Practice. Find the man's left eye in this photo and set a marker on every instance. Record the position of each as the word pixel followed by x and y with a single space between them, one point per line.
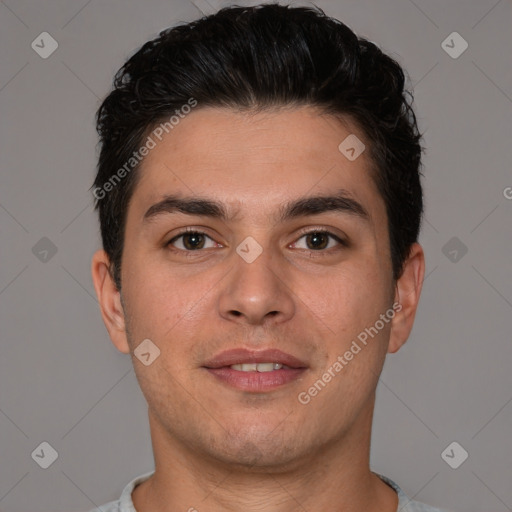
pixel 319 240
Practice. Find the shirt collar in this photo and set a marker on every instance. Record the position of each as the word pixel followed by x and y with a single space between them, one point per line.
pixel 126 502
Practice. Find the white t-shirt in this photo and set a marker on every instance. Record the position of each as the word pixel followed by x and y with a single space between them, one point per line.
pixel 125 503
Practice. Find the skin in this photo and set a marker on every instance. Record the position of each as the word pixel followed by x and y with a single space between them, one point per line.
pixel 221 449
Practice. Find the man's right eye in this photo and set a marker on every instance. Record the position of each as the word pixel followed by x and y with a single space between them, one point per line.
pixel 192 240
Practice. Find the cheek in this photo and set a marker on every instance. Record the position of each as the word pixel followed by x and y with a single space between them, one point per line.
pixel 165 307
pixel 153 303
pixel 352 297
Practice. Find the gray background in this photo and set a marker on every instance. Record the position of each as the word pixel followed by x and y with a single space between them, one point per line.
pixel 63 382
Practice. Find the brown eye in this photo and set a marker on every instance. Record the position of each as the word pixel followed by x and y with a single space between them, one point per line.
pixel 319 240
pixel 191 241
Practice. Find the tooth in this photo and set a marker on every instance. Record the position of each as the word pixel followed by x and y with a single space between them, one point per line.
pixel 259 367
pixel 265 367
pixel 249 367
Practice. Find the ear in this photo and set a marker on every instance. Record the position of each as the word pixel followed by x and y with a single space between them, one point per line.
pixel 109 298
pixel 407 296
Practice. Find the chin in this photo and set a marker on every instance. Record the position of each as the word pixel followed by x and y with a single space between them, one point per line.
pixel 261 450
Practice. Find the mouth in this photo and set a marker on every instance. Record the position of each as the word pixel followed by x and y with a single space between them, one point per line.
pixel 258 367
pixel 255 371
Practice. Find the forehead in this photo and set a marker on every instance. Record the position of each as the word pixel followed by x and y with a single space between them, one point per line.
pixel 253 162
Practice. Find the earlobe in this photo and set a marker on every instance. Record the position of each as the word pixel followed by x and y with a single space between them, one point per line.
pixel 109 299
pixel 407 295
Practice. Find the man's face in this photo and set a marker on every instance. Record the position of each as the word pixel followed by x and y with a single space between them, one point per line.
pixel 309 296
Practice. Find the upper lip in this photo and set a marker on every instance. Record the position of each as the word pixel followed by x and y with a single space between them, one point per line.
pixel 243 355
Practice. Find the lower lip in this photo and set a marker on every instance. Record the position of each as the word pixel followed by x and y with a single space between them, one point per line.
pixel 256 381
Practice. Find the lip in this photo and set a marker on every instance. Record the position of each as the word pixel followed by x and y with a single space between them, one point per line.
pixel 243 355
pixel 256 382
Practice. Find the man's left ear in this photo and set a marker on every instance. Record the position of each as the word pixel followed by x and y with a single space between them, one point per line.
pixel 407 296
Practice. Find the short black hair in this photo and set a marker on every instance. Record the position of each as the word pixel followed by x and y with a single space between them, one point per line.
pixel 255 58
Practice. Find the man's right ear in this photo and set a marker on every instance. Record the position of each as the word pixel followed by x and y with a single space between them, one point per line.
pixel 109 298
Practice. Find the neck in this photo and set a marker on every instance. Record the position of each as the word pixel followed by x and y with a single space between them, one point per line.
pixel 336 477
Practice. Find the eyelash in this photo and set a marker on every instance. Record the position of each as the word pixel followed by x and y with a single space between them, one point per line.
pixel 190 253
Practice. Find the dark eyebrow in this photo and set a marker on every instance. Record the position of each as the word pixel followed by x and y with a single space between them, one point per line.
pixel 341 202
pixel 188 205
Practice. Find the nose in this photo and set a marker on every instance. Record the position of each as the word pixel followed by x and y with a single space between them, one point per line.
pixel 257 292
